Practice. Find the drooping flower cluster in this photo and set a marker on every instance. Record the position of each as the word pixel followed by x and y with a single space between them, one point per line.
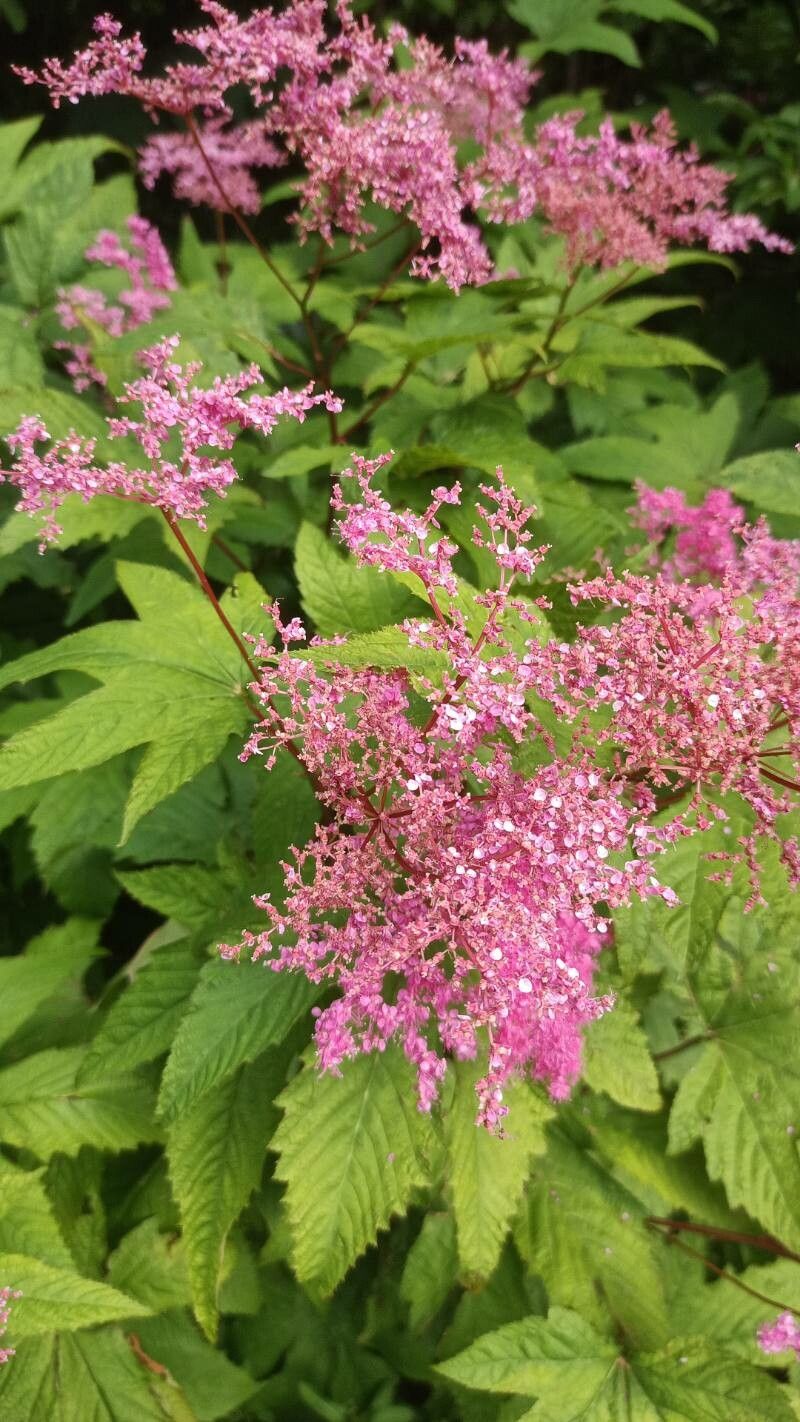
pixel 148 267
pixel 613 199
pixel 380 119
pixel 229 151
pixel 7 1297
pixel 183 430
pixel 696 688
pixel 449 898
pixel 780 1336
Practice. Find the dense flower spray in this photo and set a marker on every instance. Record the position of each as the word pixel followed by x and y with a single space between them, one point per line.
pixel 369 129
pixel 445 894
pixel 184 430
pixel 230 151
pixel 151 276
pixel 7 1297
pixel 449 898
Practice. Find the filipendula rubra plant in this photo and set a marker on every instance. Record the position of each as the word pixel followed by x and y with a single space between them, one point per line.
pixel 366 128
pixel 445 894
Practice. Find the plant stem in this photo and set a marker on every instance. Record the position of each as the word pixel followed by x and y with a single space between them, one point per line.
pixel 669 1238
pixel 223 269
pixel 229 553
pixel 376 404
pixel 731 1236
pixel 344 337
pixel 682 1046
pixel 200 574
pixel 241 222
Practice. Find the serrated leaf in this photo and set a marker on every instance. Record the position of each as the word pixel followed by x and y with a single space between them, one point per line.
pixel 430 1270
pixel 60 1298
pixel 172 679
pixel 340 596
pixel 26 981
pixel 558 1355
pixel 667 10
pixel 42 1109
pixel 742 1096
pixel 213 1385
pixel 351 1151
pixel 236 1012
pixel 581 1377
pixel 142 1021
pixel 216 1152
pixel 92 1377
pixel 486 1174
pixel 27 1222
pixel 770 480
pixel 580 1227
pixel 151 1267
pixel 617 1060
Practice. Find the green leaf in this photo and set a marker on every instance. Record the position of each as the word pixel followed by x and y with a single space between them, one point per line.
pixel 42 1109
pixel 605 346
pixel 770 480
pixel 351 1152
pixel 20 360
pixel 14 138
pixel 172 679
pixel 60 1298
pixel 617 1059
pixel 560 1357
pixel 301 459
pixel 216 1152
pixel 667 10
pixel 619 459
pixel 236 1012
pixel 340 596
pixel 742 1096
pixel 66 1377
pixel 61 952
pixel 581 1229
pixel 430 1270
pixel 27 1222
pixel 580 1377
pixel 151 1267
pixel 143 1020
pixel 486 1174
pixel 385 649
pixel 213 1385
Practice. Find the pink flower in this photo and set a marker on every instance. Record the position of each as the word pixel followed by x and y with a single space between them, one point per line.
pixel 371 130
pixel 232 150
pixel 448 898
pixel 613 200
pixel 180 428
pixel 6 1297
pixel 781 1335
pixel 151 276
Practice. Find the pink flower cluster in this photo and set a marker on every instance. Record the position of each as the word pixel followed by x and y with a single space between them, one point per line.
pixel 781 1335
pixel 7 1297
pixel 148 267
pixel 180 422
pixel 694 699
pixel 228 150
pixel 612 199
pixel 370 129
pixel 452 901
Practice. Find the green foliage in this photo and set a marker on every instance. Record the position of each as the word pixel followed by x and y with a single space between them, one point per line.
pixel 366 1148
pixel 202 1225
